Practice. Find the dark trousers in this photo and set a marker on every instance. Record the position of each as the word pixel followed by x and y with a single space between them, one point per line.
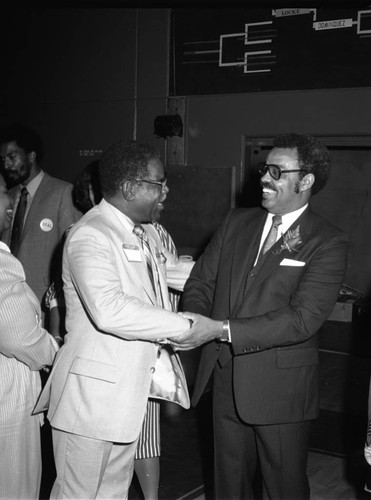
pixel 280 450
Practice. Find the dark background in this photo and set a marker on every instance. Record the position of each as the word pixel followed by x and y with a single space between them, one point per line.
pixel 86 77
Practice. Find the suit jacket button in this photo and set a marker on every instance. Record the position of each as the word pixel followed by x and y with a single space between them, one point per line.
pixel 252 274
pixel 152 369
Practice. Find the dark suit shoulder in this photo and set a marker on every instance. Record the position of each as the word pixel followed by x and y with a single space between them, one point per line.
pixel 242 215
pixel 323 225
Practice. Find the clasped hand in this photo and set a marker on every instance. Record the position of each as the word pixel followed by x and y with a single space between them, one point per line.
pixel 203 330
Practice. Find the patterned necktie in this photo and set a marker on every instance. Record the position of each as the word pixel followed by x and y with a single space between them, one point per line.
pixel 272 235
pixel 151 264
pixel 18 222
pixel 168 243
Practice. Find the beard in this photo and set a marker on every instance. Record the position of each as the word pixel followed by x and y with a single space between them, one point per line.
pixel 14 177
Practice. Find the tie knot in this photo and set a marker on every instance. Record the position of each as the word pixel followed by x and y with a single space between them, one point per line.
pixel 277 220
pixel 24 192
pixel 139 231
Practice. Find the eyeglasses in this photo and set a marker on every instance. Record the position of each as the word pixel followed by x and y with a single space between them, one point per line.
pixel 276 171
pixel 155 183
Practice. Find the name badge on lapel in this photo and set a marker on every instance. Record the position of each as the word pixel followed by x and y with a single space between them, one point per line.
pixel 132 252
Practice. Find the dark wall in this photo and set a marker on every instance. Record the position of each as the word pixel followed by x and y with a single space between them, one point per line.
pixel 84 78
pixel 87 77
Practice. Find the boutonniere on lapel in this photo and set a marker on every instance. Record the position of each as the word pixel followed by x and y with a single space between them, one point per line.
pixel 291 241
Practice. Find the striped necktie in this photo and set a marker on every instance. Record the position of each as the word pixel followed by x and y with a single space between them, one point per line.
pixel 168 243
pixel 150 261
pixel 272 235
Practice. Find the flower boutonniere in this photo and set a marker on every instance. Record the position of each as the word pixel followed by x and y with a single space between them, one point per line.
pixel 291 241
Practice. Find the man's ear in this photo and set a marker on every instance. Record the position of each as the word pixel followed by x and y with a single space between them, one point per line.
pixel 128 189
pixel 32 156
pixel 307 182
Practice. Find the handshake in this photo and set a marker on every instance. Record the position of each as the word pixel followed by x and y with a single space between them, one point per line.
pixel 202 330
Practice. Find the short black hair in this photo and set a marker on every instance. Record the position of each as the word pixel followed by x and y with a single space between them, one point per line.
pixel 313 156
pixel 124 161
pixel 26 138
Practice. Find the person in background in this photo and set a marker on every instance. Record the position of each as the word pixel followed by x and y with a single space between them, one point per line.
pixel 268 280
pixel 86 193
pixel 43 207
pixel 117 314
pixel 25 348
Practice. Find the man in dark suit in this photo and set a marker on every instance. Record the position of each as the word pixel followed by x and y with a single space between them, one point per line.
pixel 257 297
pixel 49 208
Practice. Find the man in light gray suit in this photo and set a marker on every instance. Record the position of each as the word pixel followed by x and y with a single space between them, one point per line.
pixel 115 322
pixel 49 207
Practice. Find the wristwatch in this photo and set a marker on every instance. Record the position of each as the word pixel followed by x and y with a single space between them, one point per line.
pixel 225 332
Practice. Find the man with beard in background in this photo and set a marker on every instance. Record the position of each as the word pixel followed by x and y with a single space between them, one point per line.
pixel 42 206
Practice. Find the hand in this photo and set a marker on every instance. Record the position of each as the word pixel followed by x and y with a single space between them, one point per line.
pixel 203 330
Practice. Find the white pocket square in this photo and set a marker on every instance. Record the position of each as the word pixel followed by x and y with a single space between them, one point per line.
pixel 292 262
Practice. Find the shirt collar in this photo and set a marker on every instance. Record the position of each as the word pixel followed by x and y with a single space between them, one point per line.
pixel 124 219
pixel 287 219
pixel 33 185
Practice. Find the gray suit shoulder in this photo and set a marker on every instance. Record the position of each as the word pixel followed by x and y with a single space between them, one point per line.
pixel 55 182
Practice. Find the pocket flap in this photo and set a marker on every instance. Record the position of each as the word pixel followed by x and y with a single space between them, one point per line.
pixel 95 369
pixel 295 358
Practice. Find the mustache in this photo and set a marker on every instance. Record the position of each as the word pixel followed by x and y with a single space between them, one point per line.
pixel 267 185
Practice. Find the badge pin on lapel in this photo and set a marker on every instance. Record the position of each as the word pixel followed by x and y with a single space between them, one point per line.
pixel 46 225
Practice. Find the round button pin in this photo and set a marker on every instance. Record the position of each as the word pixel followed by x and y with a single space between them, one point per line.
pixel 46 225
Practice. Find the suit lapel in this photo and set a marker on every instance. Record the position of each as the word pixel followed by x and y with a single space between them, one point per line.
pixel 275 255
pixel 244 254
pixel 127 238
pixel 37 202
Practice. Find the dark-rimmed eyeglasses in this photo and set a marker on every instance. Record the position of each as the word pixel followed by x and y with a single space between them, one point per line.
pixel 276 171
pixel 161 183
